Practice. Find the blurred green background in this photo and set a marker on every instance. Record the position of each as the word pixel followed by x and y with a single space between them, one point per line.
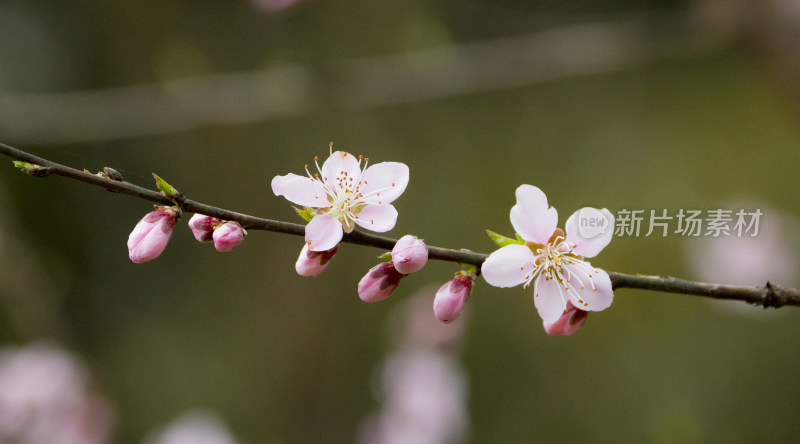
pixel 617 104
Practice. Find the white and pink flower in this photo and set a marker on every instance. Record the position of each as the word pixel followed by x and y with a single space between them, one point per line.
pixel 345 192
pixel 550 260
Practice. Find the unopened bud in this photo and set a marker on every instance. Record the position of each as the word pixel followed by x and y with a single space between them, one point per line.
pixel 203 227
pixel 569 322
pixel 312 263
pixel 228 236
pixel 452 296
pixel 150 236
pixel 379 282
pixel 409 254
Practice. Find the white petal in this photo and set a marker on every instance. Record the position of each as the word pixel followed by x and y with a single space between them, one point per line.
pixel 508 266
pixel 584 232
pixel 323 233
pixel 531 217
pixel 341 170
pixel 547 297
pixel 301 190
pixel 590 299
pixel 384 182
pixel 378 218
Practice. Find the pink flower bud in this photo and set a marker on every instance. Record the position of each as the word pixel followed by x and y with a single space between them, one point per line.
pixel 452 296
pixel 568 323
pixel 379 282
pixel 228 236
pixel 312 263
pixel 203 226
pixel 409 254
pixel 150 236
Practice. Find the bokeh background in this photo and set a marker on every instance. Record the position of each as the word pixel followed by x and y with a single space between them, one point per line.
pixel 652 104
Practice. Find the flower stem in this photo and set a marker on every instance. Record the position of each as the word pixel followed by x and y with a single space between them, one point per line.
pixel 768 295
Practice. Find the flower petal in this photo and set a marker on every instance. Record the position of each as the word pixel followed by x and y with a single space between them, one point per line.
pixel 568 323
pixel 384 182
pixel 150 236
pixel 301 190
pixel 341 170
pixel 531 216
pixel 549 299
pixel 508 266
pixel 590 299
pixel 323 232
pixel 589 230
pixel 379 218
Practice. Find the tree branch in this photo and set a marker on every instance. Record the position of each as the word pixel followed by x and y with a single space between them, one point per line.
pixel 768 295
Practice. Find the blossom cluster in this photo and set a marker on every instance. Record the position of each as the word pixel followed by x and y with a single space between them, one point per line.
pixel 150 236
pixel 345 192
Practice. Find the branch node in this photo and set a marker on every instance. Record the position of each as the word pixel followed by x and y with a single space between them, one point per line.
pixel 771 298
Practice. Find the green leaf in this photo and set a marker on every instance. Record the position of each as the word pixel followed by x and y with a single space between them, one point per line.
pixel 386 257
pixel 519 238
pixel 29 168
pixel 165 188
pixel 472 269
pixel 502 241
pixel 306 213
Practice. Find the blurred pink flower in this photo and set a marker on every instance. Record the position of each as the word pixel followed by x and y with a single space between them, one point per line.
pixel 344 195
pixel 44 399
pixel 452 296
pixel 772 255
pixel 228 236
pixel 423 390
pixel 379 282
pixel 550 260
pixel 424 401
pixel 274 6
pixel 409 254
pixel 569 322
pixel 195 427
pixel 150 236
pixel 312 263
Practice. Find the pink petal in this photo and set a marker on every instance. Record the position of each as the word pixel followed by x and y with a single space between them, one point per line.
pixel 203 227
pixel 150 236
pixel 341 169
pixel 588 299
pixel 228 236
pixel 379 218
pixel 301 190
pixel 568 323
pixel 312 263
pixel 323 233
pixel 547 296
pixel 531 216
pixel 508 266
pixel 409 254
pixel 379 282
pixel 595 240
pixel 451 298
pixel 384 182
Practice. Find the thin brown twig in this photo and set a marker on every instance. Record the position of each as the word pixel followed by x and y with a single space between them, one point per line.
pixel 768 295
